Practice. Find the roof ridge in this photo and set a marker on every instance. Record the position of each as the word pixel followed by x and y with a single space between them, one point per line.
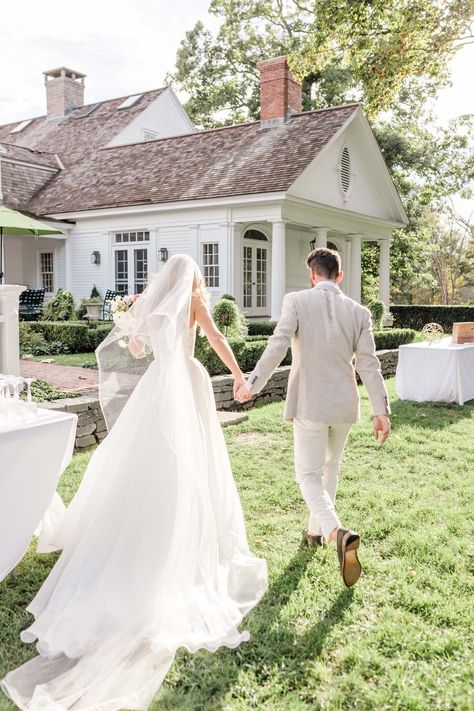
pixel 326 108
pixel 225 128
pixel 26 148
pixel 182 135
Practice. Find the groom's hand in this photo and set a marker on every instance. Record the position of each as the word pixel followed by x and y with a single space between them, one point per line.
pixel 381 428
pixel 242 395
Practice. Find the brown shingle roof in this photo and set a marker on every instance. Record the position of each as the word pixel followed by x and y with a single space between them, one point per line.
pixel 26 155
pixel 236 160
pixel 76 139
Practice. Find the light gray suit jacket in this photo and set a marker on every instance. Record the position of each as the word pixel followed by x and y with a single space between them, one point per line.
pixel 325 329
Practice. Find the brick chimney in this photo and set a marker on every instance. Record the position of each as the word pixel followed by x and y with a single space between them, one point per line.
pixel 64 91
pixel 280 95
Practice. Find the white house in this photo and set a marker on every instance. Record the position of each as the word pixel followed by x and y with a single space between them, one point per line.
pixel 130 182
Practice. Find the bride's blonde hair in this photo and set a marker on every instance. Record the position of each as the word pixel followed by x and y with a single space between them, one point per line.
pixel 200 290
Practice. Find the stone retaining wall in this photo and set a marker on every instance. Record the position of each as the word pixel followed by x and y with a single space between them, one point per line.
pixel 91 425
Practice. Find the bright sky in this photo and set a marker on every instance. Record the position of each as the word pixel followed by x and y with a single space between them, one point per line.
pixel 127 47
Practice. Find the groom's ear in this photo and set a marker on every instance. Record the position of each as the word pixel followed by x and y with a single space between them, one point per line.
pixel 339 277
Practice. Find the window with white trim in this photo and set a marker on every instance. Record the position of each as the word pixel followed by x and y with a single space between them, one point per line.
pixel 47 271
pixel 149 135
pixel 210 264
pixel 128 237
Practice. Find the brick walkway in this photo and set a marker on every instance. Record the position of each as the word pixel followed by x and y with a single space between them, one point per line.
pixel 62 377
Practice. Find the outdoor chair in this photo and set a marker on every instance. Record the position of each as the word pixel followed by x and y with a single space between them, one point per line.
pixel 106 310
pixel 31 304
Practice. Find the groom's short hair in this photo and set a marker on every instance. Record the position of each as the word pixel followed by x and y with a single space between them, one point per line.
pixel 325 262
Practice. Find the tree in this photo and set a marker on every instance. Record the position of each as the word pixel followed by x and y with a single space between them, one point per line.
pixel 451 263
pixel 370 50
pixel 391 55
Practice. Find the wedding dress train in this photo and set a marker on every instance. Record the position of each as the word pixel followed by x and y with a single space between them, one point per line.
pixel 155 555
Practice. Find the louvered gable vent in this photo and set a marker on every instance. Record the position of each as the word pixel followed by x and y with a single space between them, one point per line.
pixel 345 171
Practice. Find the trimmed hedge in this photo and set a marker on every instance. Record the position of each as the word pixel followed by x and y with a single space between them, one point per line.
pixel 54 337
pixel 393 337
pixel 261 328
pixel 416 316
pixel 248 351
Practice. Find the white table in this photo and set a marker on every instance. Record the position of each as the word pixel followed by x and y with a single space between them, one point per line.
pixel 440 372
pixel 33 455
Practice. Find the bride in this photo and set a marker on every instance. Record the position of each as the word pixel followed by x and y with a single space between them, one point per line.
pixel 155 555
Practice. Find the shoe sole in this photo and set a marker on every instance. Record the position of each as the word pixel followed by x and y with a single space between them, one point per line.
pixel 351 567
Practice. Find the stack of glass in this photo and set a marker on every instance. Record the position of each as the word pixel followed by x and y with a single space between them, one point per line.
pixel 13 408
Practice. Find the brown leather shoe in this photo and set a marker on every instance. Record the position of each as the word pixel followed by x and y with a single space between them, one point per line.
pixel 347 545
pixel 313 541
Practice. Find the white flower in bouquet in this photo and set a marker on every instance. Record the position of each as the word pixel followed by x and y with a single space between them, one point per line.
pixel 119 306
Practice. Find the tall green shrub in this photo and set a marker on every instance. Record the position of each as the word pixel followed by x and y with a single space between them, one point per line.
pixel 229 319
pixel 377 309
pixel 60 307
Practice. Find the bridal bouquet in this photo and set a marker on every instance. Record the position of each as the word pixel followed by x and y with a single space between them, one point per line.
pixel 119 306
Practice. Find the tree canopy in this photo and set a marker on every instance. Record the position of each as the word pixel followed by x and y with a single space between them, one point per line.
pixel 390 55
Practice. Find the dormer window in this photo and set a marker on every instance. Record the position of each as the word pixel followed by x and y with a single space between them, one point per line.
pixel 86 111
pixel 345 173
pixel 21 126
pixel 131 101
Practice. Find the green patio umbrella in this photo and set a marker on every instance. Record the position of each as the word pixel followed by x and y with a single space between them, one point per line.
pixel 15 223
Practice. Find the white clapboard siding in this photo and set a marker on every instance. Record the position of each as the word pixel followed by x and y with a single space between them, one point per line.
pixel 165 117
pixel 85 274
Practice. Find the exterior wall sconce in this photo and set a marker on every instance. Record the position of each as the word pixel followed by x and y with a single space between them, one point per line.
pixel 95 257
pixel 312 244
pixel 163 254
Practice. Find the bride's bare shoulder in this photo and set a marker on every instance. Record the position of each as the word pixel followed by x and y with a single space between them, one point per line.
pixel 199 307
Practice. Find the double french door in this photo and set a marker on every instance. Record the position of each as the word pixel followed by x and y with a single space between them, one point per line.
pixel 131 269
pixel 256 279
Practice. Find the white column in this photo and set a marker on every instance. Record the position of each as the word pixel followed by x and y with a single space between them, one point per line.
pixel 278 285
pixel 346 260
pixel 384 272
pixel 9 331
pixel 356 241
pixel 236 264
pixel 320 236
pixel 68 263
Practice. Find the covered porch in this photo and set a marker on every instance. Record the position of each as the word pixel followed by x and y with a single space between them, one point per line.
pixel 36 262
pixel 270 256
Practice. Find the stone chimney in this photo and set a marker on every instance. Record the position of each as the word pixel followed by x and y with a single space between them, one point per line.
pixel 280 95
pixel 64 91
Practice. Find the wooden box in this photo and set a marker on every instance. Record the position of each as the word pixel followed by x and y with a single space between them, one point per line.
pixel 463 332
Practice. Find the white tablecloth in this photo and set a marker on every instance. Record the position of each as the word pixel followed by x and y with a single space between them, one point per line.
pixel 440 372
pixel 33 456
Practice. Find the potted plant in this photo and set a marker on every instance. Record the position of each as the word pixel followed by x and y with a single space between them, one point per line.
pixel 93 305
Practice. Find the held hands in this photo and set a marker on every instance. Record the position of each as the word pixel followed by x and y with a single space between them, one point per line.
pixel 241 393
pixel 381 428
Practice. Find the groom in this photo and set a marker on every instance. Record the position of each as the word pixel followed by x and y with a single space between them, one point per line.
pixel 326 330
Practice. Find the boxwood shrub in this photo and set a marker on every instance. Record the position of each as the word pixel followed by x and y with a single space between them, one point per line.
pixel 416 316
pixel 54 337
pixel 393 337
pixel 247 351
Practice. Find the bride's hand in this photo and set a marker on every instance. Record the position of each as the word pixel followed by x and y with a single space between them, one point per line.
pixel 135 347
pixel 239 382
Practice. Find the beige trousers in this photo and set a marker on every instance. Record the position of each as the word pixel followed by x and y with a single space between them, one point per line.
pixel 318 453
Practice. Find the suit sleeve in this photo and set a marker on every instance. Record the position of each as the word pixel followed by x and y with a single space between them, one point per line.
pixel 277 346
pixel 368 366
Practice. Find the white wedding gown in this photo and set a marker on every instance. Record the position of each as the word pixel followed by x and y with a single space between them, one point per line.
pixel 155 555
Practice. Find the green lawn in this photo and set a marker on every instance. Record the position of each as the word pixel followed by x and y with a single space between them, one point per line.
pixel 80 359
pixel 401 639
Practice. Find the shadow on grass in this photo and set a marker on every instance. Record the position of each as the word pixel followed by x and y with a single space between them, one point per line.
pixel 205 681
pixel 429 415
